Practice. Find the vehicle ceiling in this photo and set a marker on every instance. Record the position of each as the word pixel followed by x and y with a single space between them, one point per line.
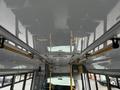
pixel 59 18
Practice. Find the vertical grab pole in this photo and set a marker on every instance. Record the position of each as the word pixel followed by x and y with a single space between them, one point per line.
pixel 95 81
pixel 50 42
pixel 117 82
pixel 71 88
pixel 88 81
pixel 82 81
pixel 32 81
pixel 12 83
pixel 71 41
pixel 50 86
pixel 24 82
pixel 108 82
pixel 81 70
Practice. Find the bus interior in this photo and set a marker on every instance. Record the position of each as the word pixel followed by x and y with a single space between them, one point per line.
pixel 59 44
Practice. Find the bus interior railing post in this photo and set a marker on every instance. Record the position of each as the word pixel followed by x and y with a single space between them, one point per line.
pixel 95 81
pixel 88 81
pixel 82 81
pixel 108 82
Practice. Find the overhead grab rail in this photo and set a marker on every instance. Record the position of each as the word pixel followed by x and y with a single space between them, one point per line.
pixel 7 35
pixel 108 35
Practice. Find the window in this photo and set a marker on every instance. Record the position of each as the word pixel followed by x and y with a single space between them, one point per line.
pixel 114 16
pixel 30 39
pixel 84 45
pixel 60 81
pixel 99 30
pixel 79 44
pixel 22 32
pixel 60 48
pixel 7 17
pixel 91 38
